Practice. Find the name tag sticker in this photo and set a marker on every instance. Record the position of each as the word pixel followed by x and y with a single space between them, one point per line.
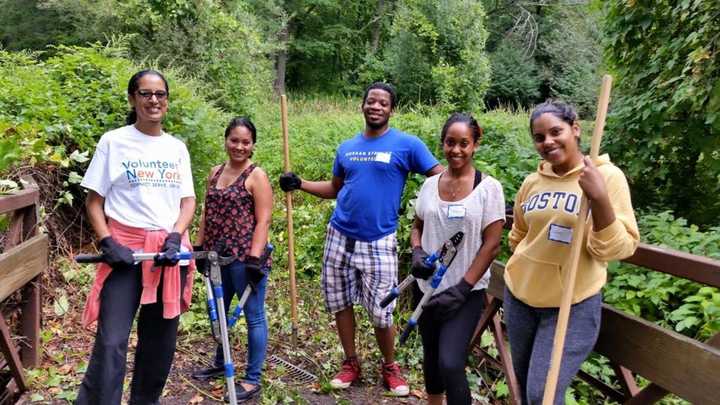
pixel 383 157
pixel 562 234
pixel 456 211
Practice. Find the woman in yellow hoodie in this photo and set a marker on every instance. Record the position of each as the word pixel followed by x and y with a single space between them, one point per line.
pixel 545 211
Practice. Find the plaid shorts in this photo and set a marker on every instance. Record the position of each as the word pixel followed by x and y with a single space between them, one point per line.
pixel 359 272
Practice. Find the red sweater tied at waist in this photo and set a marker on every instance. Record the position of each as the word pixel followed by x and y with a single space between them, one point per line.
pixel 174 301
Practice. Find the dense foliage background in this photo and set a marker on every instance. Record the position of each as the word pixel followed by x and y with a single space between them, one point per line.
pixel 666 120
pixel 64 66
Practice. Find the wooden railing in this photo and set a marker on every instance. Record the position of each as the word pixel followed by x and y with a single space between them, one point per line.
pixel 674 363
pixel 22 262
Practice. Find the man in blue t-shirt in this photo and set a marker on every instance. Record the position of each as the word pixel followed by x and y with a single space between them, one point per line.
pixel 360 258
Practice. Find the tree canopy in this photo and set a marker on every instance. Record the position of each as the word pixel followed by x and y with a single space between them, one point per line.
pixel 665 121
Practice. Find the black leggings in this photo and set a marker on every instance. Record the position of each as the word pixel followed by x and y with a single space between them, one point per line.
pixel 445 348
pixel 120 298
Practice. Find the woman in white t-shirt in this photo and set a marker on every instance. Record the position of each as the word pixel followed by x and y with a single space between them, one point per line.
pixel 458 199
pixel 140 198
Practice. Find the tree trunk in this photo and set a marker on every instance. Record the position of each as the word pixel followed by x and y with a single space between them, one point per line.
pixel 377 27
pixel 281 62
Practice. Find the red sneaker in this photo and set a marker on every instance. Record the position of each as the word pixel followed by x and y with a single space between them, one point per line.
pixel 349 373
pixel 393 380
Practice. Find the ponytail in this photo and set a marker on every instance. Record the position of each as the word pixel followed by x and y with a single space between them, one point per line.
pixel 131 117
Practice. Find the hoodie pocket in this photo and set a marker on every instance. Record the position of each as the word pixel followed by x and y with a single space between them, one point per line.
pixel 535 282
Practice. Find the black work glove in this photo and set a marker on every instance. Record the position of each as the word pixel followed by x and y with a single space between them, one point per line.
pixel 116 255
pixel 419 268
pixel 449 301
pixel 168 251
pixel 253 270
pixel 202 265
pixel 290 181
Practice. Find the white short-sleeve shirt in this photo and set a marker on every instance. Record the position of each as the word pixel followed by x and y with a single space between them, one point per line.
pixel 442 219
pixel 142 177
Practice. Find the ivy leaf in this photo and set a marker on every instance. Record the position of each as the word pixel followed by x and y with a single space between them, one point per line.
pixel 61 305
pixel 65 198
pixel 79 157
pixel 7 186
pixel 501 389
pixel 56 157
pixel 74 178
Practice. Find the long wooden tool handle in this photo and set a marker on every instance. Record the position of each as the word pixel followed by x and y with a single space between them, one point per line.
pixel 571 268
pixel 291 235
pixel 600 117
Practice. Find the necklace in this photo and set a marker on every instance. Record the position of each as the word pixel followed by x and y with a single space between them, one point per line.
pixel 455 186
pixel 454 190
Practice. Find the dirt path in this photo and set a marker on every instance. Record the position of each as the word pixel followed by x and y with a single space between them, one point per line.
pixel 66 349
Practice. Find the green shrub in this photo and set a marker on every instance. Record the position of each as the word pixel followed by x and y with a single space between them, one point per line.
pixel 686 306
pixel 548 51
pixel 64 104
pixel 570 52
pixel 515 78
pixel 219 43
pixel 437 53
pixel 665 124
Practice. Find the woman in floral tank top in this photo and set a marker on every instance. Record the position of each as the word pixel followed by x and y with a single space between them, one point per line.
pixel 238 207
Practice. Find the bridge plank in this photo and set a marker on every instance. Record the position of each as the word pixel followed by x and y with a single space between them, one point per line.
pixel 681 264
pixel 18 200
pixel 22 263
pixel 673 361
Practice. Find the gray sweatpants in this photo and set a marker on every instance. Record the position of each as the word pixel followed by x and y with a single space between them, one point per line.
pixel 531 332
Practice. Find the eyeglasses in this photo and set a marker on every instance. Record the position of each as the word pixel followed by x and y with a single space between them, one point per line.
pixel 160 95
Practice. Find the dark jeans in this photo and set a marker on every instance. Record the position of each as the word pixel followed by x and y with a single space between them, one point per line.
pixel 531 332
pixel 445 348
pixel 234 281
pixel 120 298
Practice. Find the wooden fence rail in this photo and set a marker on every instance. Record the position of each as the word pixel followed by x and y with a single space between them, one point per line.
pixel 674 363
pixel 24 259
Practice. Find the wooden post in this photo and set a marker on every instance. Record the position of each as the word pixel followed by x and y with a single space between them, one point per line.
pixel 570 270
pixel 491 319
pixel 504 354
pixel 31 311
pixel 30 322
pixel 291 235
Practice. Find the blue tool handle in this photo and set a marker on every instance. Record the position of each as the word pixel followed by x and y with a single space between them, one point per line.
pixel 179 256
pixel 437 278
pixel 229 370
pixel 397 290
pixel 429 260
pixel 237 313
pixel 266 254
pixel 212 310
pixel 394 292
pixel 406 332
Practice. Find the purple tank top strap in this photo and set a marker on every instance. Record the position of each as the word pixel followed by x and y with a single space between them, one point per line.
pixel 216 176
pixel 244 175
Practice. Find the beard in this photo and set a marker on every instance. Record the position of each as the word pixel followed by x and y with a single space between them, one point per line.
pixel 375 125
